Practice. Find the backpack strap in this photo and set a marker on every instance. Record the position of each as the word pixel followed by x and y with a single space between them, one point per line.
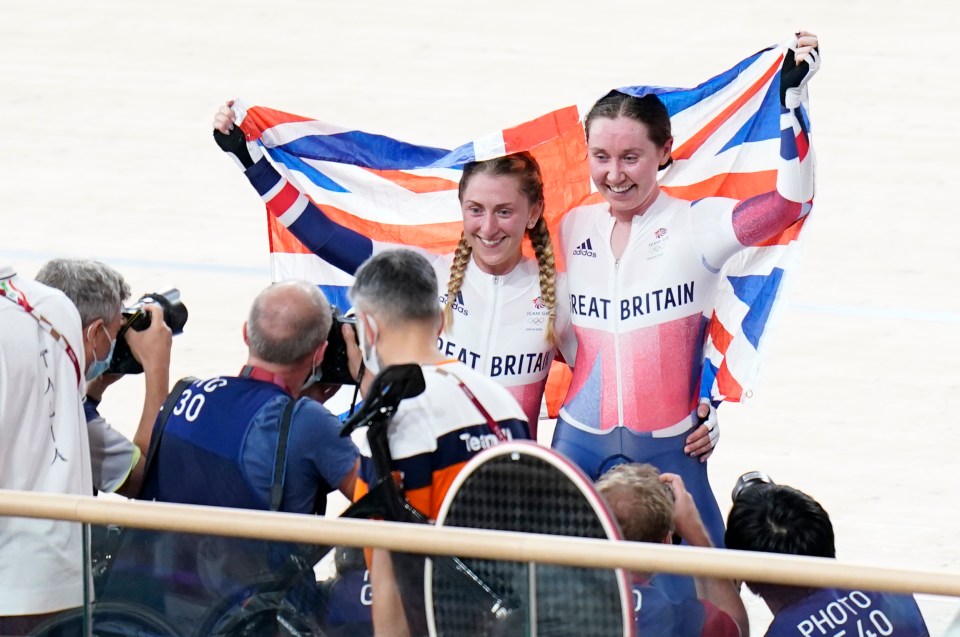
pixel 279 465
pixel 165 410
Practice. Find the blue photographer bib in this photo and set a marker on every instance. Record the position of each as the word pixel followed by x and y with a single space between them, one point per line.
pixel 841 613
pixel 200 458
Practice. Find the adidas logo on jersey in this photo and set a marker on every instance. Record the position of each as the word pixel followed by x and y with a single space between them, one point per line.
pixel 585 249
pixel 458 305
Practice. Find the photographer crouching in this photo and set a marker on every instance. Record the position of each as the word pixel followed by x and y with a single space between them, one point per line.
pixel 774 518
pixel 98 292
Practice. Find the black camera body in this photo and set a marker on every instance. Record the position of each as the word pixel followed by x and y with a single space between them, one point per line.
pixel 749 480
pixel 334 369
pixel 137 318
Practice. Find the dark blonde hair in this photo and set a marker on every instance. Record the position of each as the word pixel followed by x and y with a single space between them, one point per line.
pixel 525 169
pixel 640 502
pixel 647 110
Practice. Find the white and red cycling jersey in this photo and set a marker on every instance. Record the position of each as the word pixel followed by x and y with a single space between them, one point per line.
pixel 499 329
pixel 499 324
pixel 640 319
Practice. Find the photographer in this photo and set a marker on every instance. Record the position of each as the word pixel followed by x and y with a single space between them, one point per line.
pixel 98 291
pixel 433 434
pixel 45 448
pixel 249 441
pixel 221 439
pixel 774 518
pixel 652 507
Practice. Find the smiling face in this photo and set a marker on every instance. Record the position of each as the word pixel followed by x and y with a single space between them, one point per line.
pixel 624 162
pixel 496 217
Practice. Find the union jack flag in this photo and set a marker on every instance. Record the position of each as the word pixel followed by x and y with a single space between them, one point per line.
pixel 726 143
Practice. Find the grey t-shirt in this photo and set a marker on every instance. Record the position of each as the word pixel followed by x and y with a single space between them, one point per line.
pixel 112 455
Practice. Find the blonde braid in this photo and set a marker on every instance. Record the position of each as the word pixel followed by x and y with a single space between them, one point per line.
pixel 460 260
pixel 543 247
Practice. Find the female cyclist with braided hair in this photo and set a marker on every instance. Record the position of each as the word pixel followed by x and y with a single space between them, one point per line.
pixel 522 172
pixel 503 313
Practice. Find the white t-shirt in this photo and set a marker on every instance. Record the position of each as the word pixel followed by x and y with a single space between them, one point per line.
pixel 45 446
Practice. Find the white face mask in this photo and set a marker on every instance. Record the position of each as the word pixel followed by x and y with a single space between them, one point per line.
pixel 314 377
pixel 368 345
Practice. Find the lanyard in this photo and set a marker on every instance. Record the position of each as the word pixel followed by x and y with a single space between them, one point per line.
pixel 491 423
pixel 258 373
pixel 12 294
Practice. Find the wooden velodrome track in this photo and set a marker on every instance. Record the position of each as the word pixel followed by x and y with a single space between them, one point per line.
pixel 106 153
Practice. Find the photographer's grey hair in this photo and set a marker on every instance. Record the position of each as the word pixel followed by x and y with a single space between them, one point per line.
pixel 94 287
pixel 398 285
pixel 280 334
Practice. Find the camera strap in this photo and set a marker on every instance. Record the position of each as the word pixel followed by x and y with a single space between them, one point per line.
pixel 280 463
pixel 165 410
pixel 12 294
pixel 280 460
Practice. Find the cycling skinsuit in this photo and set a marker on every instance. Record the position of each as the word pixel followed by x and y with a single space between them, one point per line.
pixel 640 319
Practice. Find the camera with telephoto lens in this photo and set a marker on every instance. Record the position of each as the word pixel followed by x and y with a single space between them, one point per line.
pixel 334 369
pixel 749 480
pixel 137 318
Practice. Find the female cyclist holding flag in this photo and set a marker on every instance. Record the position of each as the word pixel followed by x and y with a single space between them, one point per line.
pixel 503 312
pixel 643 272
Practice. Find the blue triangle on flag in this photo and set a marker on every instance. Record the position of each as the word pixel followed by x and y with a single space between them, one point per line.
pixel 337 296
pixel 762 125
pixel 295 163
pixel 758 292
pixel 707 378
pixel 679 99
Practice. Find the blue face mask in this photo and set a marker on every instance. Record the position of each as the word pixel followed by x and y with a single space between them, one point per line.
pixel 98 367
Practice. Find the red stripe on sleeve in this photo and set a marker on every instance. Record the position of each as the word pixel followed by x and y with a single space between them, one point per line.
pixel 282 201
pixel 803 145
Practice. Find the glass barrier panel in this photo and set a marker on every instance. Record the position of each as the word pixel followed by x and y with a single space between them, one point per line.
pixel 42 569
pixel 162 584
